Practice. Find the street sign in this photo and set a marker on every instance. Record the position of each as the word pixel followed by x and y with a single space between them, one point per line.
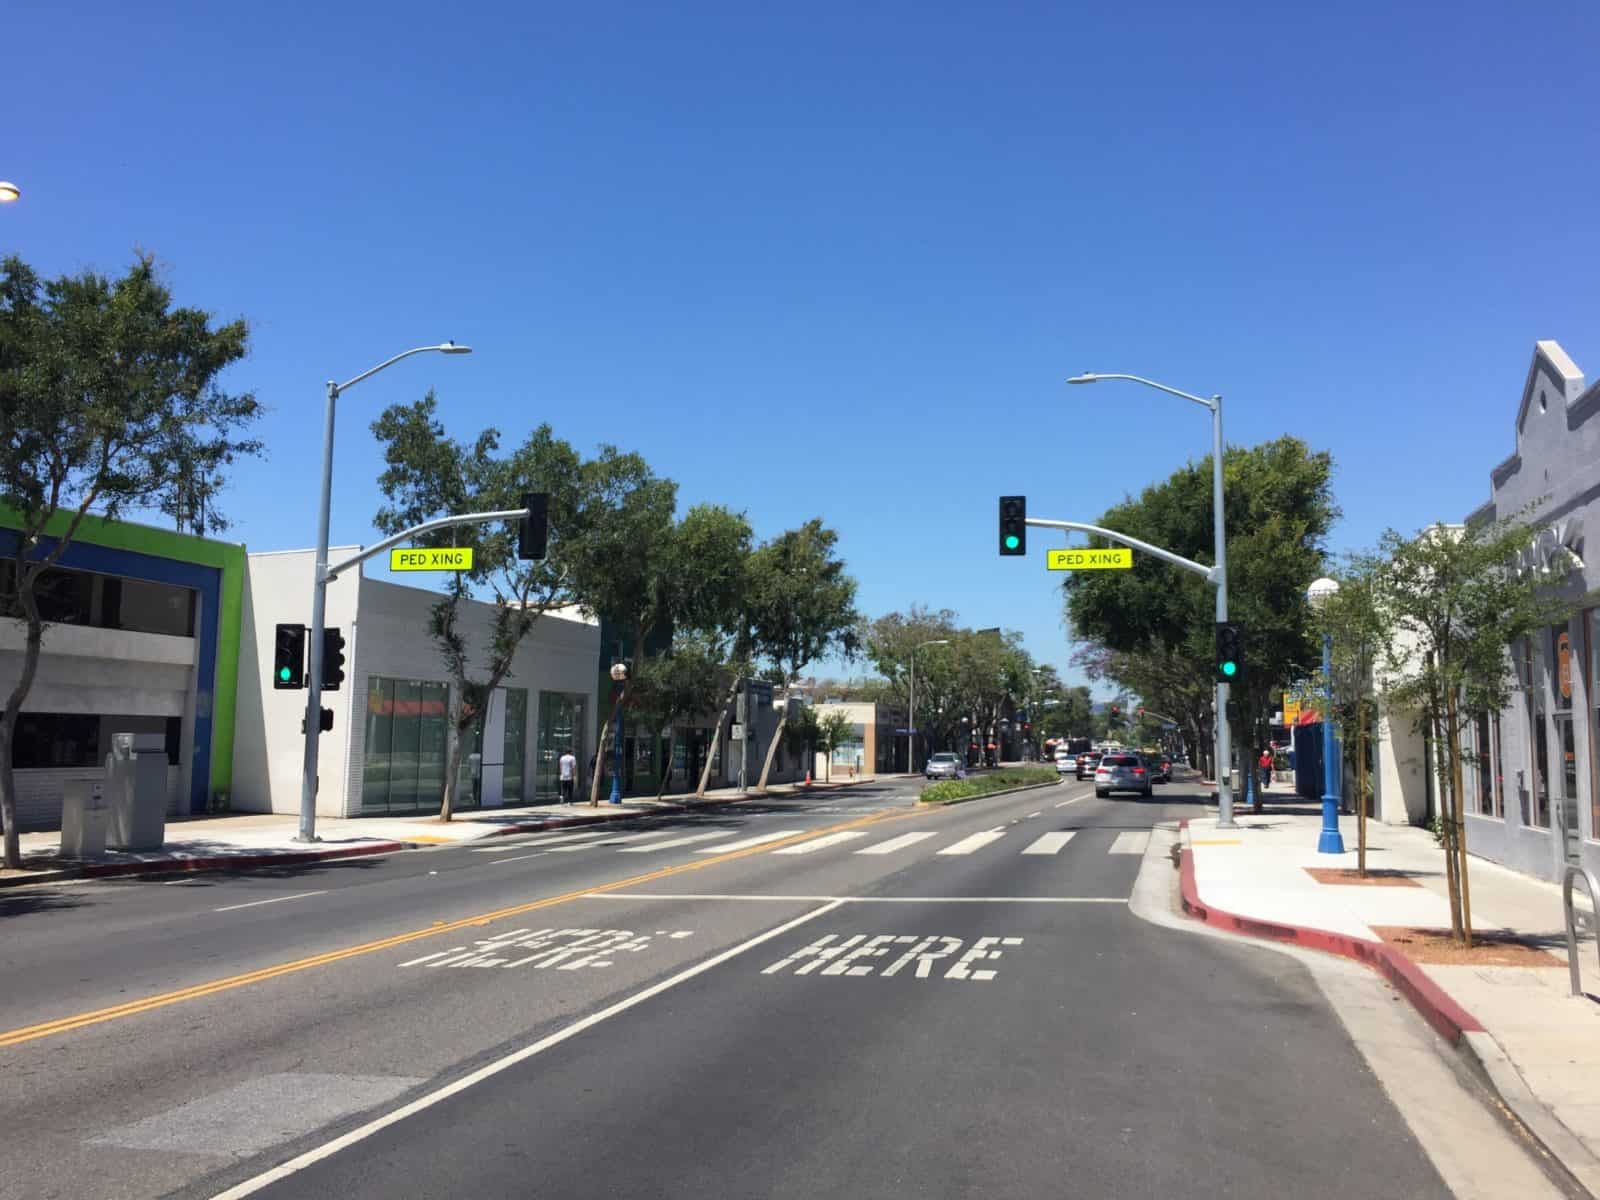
pixel 736 732
pixel 1291 710
pixel 1117 559
pixel 442 558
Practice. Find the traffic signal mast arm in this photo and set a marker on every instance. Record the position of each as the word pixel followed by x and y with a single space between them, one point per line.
pixel 406 535
pixel 1177 560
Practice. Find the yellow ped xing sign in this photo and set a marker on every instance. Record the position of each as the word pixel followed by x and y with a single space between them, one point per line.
pixel 1118 559
pixel 442 558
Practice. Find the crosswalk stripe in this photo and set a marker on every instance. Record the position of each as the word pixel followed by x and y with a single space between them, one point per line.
pixel 1050 843
pixel 896 843
pixel 1130 843
pixel 747 843
pixel 976 842
pixel 537 843
pixel 674 842
pixel 833 839
pixel 616 841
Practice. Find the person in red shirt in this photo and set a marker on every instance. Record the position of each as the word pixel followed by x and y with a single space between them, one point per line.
pixel 1266 768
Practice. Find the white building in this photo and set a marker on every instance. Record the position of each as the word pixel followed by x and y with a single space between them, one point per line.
pixel 386 751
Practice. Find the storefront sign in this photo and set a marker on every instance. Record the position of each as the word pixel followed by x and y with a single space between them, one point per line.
pixel 1564 665
pixel 445 558
pixel 1089 560
pixel 1291 710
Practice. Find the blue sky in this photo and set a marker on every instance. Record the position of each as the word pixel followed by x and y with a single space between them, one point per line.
pixel 837 259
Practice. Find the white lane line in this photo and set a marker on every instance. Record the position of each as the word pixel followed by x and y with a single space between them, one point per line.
pixel 861 899
pixel 1050 843
pixel 747 843
pixel 300 1162
pixel 897 843
pixel 1031 816
pixel 822 843
pixel 674 843
pixel 274 900
pixel 534 843
pixel 1130 843
pixel 615 841
pixel 1074 800
pixel 976 842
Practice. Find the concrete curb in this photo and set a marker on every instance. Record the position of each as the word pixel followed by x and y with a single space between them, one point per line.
pixel 1027 787
pixel 1454 1023
pixel 300 858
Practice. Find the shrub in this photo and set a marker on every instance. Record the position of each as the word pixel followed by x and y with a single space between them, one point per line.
pixel 953 790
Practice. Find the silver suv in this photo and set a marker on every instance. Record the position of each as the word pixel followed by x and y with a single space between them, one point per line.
pixel 1122 773
pixel 945 765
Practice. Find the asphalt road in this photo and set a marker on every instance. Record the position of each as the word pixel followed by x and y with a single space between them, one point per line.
pixel 840 996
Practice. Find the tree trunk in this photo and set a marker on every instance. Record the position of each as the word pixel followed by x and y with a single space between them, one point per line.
pixel 599 762
pixel 716 737
pixel 1452 725
pixel 666 762
pixel 772 750
pixel 1361 788
pixel 1447 828
pixel 8 725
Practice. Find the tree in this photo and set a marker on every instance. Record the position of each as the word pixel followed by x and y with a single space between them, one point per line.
pixel 1458 602
pixel 429 474
pixel 801 608
pixel 834 729
pixel 1279 508
pixel 677 684
pixel 109 403
pixel 1170 683
pixel 890 642
pixel 801 735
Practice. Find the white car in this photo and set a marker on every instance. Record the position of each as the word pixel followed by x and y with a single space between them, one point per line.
pixel 1066 762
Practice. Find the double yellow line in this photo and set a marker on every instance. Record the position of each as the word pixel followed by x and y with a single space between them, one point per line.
pixel 29 1033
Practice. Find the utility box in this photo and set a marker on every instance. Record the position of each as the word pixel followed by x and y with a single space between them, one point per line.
pixel 136 791
pixel 83 819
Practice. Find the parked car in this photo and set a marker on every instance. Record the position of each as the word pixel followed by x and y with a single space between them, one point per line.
pixel 1087 762
pixel 945 765
pixel 1122 773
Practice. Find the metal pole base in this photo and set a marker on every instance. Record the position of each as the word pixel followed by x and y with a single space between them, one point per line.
pixel 1331 840
pixel 300 837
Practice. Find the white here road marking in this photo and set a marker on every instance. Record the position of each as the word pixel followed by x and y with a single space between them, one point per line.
pixel 747 843
pixel 673 843
pixel 1050 843
pixel 274 900
pixel 833 839
pixel 896 843
pixel 300 1162
pixel 976 842
pixel 1130 843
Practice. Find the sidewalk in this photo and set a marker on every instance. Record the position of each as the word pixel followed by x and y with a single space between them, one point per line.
pixel 248 840
pixel 1506 1002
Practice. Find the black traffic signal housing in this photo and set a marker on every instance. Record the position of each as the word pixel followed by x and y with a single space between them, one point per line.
pixel 1230 652
pixel 324 721
pixel 1013 525
pixel 533 533
pixel 1116 713
pixel 332 659
pixel 289 657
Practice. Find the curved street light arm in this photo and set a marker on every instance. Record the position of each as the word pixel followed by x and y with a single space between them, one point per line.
pixel 388 362
pixel 1177 560
pixel 1091 377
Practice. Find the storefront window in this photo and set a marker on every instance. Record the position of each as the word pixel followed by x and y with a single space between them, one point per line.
pixel 404 754
pixel 1479 776
pixel 561 726
pixel 516 744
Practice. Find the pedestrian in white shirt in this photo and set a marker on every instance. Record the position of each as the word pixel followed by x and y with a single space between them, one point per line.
pixel 569 775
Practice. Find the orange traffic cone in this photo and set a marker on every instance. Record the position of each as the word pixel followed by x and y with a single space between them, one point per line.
pixel 808 777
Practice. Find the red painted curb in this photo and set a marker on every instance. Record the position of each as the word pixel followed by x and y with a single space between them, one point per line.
pixel 1436 1005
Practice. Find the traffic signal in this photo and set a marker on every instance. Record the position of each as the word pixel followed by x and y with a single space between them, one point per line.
pixel 289 657
pixel 1013 524
pixel 533 533
pixel 1116 713
pixel 1141 712
pixel 1230 652
pixel 332 660
pixel 324 721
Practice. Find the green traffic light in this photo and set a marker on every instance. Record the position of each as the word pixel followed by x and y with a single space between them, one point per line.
pixel 283 674
pixel 1230 668
pixel 1011 541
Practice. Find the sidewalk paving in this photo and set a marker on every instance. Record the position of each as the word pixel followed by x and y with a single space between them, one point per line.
pixel 246 840
pixel 1539 1046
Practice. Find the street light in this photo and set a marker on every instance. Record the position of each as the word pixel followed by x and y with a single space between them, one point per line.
pixel 911 717
pixel 319 589
pixel 1220 553
pixel 619 675
pixel 1331 840
pixel 8 191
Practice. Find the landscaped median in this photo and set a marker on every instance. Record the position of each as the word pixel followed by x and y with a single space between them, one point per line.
pixel 954 791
